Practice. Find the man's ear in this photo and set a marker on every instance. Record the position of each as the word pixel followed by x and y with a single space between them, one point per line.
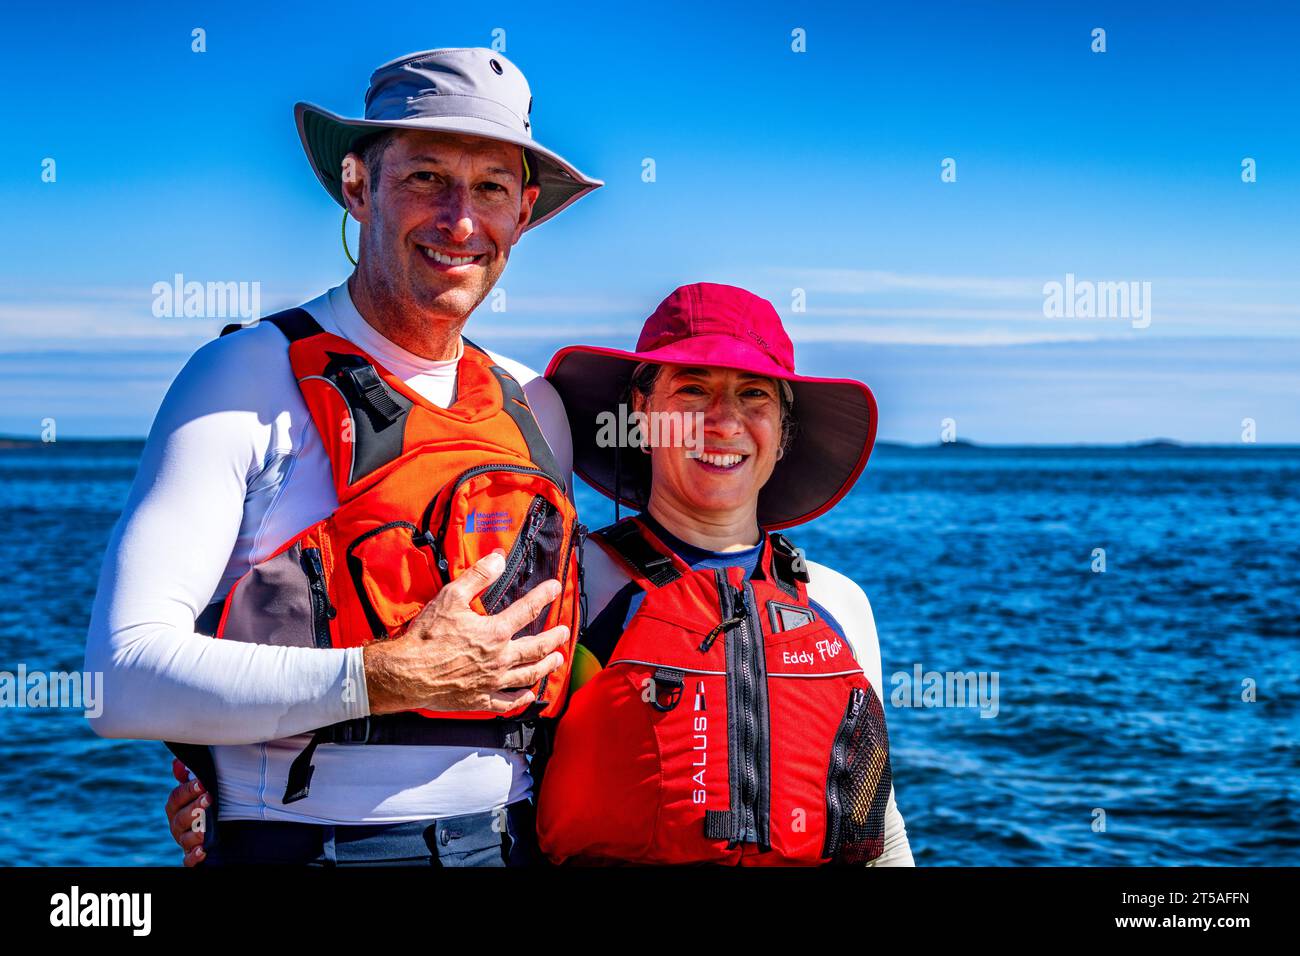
pixel 526 204
pixel 356 187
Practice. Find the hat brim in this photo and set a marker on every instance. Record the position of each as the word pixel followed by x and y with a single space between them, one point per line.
pixel 327 138
pixel 836 424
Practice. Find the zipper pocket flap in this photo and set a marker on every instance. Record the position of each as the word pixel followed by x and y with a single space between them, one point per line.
pixel 394 575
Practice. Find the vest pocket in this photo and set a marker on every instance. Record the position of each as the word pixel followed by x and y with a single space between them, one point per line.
pixel 533 558
pixel 281 601
pixel 393 572
pixel 858 782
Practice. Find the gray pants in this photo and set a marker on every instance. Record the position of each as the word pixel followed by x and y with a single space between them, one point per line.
pixel 494 838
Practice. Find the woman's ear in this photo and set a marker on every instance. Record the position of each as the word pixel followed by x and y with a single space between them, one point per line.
pixel 638 399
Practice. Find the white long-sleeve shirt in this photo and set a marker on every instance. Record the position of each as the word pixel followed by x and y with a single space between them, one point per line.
pixel 232 468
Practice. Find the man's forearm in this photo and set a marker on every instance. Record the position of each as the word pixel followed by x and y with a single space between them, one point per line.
pixel 163 685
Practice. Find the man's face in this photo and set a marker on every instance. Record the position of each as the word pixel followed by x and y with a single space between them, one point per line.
pixel 441 221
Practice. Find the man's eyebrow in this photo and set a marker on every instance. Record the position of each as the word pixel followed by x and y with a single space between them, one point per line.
pixel 435 160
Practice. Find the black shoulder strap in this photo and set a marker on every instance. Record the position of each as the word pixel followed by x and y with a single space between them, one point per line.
pixel 788 564
pixel 515 404
pixel 294 323
pixel 625 538
pixel 372 405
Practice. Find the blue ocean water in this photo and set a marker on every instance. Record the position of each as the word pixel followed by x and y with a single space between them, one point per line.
pixel 1118 691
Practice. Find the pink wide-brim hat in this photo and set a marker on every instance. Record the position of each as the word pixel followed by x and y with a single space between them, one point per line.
pixel 706 324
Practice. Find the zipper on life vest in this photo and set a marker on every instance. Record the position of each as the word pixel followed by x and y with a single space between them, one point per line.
pixel 577 534
pixel 322 611
pixel 747 717
pixel 834 804
pixel 521 553
pixel 580 537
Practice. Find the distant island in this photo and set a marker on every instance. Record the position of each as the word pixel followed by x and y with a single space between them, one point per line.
pixel 966 443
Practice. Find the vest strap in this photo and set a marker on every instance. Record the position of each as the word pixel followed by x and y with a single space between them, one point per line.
pixel 374 393
pixel 409 729
pixel 515 404
pixel 626 539
pixel 294 323
pixel 789 567
pixel 717 824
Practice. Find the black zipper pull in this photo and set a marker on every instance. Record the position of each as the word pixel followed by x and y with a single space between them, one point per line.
pixel 530 543
pixel 315 568
pixel 855 703
pixel 316 580
pixel 726 625
pixel 425 539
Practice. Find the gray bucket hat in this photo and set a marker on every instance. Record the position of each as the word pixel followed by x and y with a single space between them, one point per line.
pixel 472 91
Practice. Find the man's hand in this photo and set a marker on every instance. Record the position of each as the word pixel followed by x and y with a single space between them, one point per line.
pixel 451 658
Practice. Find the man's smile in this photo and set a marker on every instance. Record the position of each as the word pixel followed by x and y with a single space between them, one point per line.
pixel 445 260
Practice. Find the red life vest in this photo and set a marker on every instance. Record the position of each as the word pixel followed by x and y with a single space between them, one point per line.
pixel 424 492
pixel 730 725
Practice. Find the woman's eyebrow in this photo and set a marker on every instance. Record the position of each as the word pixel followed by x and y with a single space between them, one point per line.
pixel 691 372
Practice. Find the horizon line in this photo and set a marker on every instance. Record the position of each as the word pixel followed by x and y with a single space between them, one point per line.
pixel 12 441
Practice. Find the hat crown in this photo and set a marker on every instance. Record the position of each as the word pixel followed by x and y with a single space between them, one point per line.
pixel 468 81
pixel 709 308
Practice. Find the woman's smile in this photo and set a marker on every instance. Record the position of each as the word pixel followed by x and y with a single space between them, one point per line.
pixel 721 463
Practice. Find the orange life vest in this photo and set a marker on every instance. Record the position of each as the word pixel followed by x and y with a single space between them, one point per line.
pixel 424 492
pixel 731 725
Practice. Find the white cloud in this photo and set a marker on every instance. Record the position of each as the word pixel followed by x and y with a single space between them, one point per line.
pixel 869 281
pixel 909 335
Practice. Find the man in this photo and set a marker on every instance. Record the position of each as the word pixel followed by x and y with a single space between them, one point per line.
pixel 444 177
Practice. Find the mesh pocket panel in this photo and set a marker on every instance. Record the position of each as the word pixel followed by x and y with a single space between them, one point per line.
pixel 858 784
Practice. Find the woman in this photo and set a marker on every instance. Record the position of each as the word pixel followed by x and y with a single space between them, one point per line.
pixel 726 703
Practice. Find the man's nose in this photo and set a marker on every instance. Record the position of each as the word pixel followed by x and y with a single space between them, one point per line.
pixel 454 216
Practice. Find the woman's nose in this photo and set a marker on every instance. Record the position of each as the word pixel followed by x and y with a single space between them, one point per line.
pixel 723 417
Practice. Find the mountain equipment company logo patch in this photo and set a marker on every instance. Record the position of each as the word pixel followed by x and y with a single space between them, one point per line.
pixel 477 521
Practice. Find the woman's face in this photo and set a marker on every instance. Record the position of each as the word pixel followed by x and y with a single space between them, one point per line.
pixel 723 470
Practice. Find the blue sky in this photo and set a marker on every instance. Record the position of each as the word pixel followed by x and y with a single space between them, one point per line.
pixel 775 170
